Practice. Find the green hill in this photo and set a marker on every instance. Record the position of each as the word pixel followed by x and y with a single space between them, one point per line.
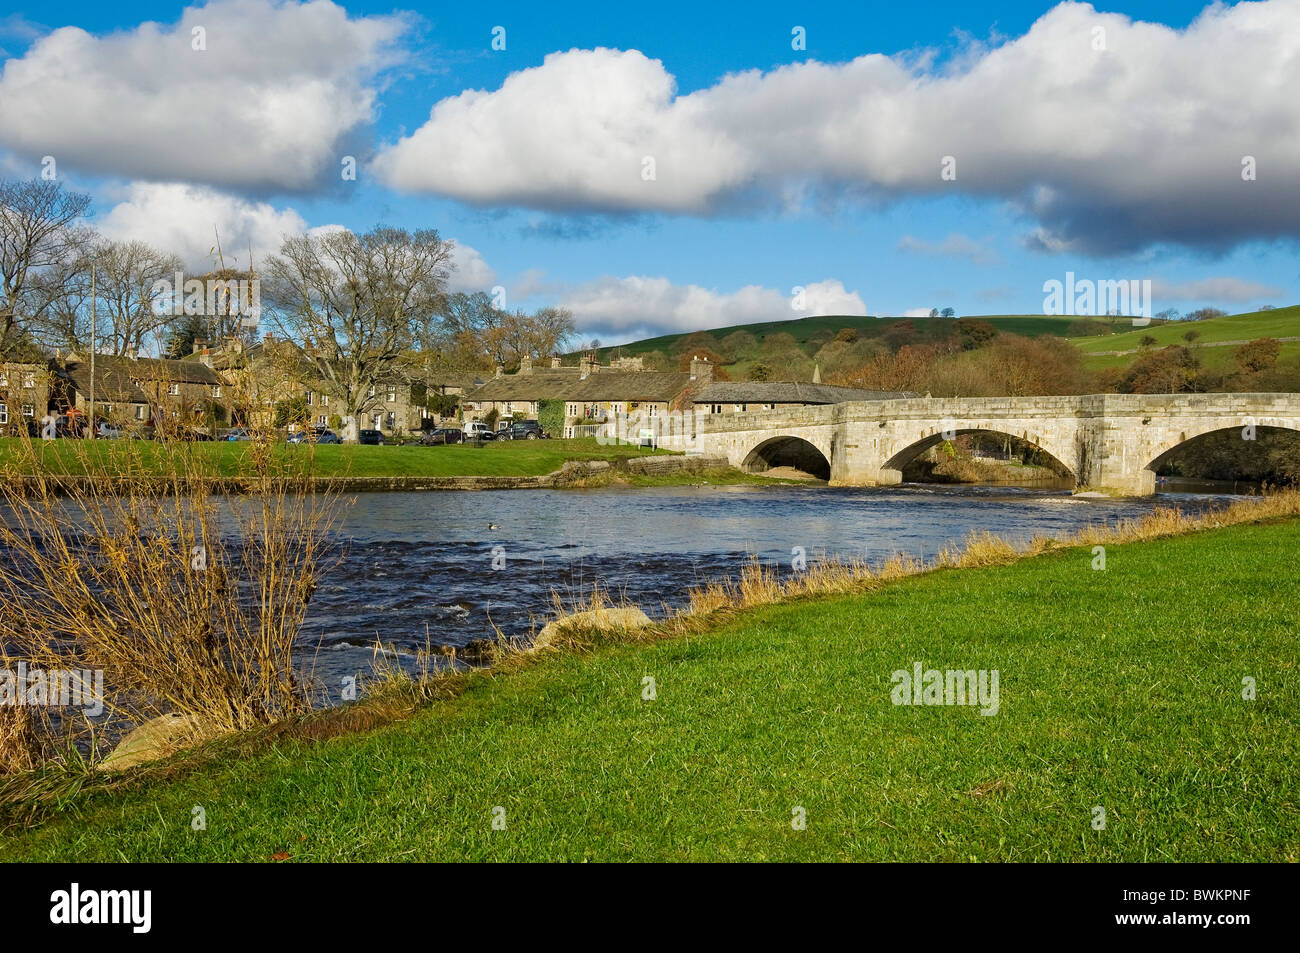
pixel 1217 338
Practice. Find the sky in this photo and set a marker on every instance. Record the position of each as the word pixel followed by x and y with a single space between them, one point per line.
pixel 669 166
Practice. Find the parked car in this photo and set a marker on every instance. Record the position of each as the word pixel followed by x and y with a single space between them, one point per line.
pixel 106 431
pixel 443 435
pixel 477 430
pixel 238 434
pixel 374 438
pixel 314 435
pixel 528 430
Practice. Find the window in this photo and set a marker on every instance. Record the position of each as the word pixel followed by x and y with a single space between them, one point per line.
pixel 4 414
pixel 391 422
pixel 216 390
pixel 174 390
pixel 767 406
pixel 29 411
pixel 378 421
pixel 371 392
pixel 324 400
pixel 717 408
pixel 310 398
pixel 571 410
pixel 140 410
pixel 392 393
pixel 4 380
pixel 321 420
pixel 738 407
pixel 29 381
pixel 654 410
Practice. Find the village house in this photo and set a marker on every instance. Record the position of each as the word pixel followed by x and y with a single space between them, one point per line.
pixel 591 394
pixel 132 389
pixel 24 397
pixel 269 372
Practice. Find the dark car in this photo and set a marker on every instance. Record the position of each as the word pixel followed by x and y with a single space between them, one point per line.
pixel 528 430
pixel 238 434
pixel 374 438
pixel 443 435
pixel 315 435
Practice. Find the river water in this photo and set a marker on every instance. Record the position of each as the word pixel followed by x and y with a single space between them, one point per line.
pixel 429 568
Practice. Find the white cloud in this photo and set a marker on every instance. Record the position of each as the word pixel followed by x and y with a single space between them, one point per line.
pixel 1235 290
pixel 642 306
pixel 471 272
pixel 916 313
pixel 954 246
pixel 270 103
pixel 1107 149
pixel 181 219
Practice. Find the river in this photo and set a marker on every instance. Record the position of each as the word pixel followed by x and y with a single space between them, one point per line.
pixel 418 568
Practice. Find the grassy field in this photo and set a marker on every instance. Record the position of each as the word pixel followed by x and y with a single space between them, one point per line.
pixel 1119 689
pixel 804 330
pixel 503 458
pixel 1278 323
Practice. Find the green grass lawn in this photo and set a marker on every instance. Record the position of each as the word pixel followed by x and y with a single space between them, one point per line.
pixel 495 458
pixel 1278 323
pixel 1119 689
pixel 804 329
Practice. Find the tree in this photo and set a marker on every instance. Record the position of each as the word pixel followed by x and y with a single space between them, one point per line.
pixel 974 334
pixel 38 229
pixel 1202 314
pixel 126 299
pixel 1258 355
pixel 1147 341
pixel 934 312
pixel 182 333
pixel 947 313
pixel 353 304
pixel 292 410
pixel 760 372
pixel 1191 335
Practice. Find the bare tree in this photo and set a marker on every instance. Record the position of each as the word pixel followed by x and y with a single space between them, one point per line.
pixel 354 304
pixel 38 228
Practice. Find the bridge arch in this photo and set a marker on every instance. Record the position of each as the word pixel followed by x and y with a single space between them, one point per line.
pixel 787 450
pixel 903 457
pixel 1249 432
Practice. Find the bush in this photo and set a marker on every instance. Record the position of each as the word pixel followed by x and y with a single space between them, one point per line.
pixel 550 416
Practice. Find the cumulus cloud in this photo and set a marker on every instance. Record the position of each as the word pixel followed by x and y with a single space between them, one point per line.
pixel 636 306
pixel 1235 290
pixel 272 102
pixel 471 271
pixel 181 219
pixel 1110 134
pixel 954 246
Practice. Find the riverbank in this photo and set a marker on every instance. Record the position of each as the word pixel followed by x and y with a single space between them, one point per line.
pixel 503 465
pixel 1119 688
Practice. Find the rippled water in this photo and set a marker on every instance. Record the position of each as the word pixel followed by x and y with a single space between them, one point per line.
pixel 419 566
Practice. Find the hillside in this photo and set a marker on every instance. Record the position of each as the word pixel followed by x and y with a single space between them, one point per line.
pixel 789 348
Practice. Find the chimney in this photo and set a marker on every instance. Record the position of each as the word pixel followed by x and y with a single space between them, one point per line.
pixel 526 364
pixel 270 337
pixel 130 353
pixel 200 344
pixel 701 370
pixel 586 364
pixel 555 362
pixel 500 371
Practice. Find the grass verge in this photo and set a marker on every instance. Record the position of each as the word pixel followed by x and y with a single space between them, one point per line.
pixel 1120 689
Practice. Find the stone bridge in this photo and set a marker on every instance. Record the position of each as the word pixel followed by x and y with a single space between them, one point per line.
pixel 1106 441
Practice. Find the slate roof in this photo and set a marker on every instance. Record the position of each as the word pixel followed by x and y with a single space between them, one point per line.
pixel 115 377
pixel 789 392
pixel 563 383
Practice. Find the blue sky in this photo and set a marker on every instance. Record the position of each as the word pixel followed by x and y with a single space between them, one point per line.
pixel 1114 155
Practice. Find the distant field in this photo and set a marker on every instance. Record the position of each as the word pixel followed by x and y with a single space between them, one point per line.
pixel 504 458
pixel 1278 323
pixel 804 330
